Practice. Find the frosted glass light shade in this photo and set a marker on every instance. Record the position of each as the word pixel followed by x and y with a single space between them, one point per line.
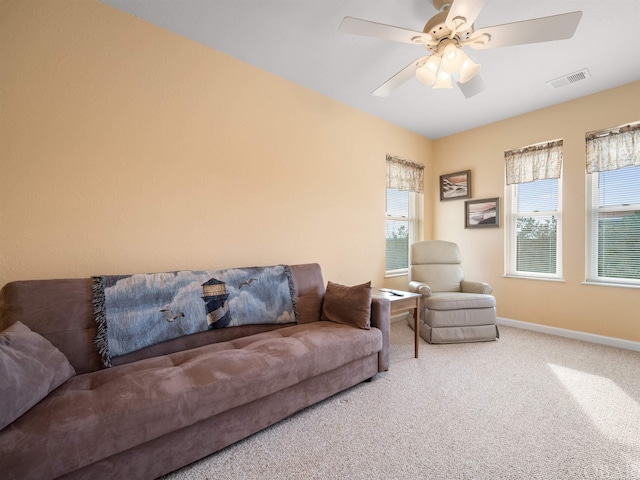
pixel 443 81
pixel 427 74
pixel 469 70
pixel 452 59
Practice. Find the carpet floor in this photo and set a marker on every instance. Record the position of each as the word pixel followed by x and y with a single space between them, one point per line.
pixel 529 406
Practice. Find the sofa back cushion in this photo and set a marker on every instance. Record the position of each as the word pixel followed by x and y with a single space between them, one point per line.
pixel 62 312
pixel 59 310
pixel 309 291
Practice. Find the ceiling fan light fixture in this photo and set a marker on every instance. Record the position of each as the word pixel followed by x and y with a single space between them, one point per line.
pixel 468 70
pixel 448 32
pixel 443 81
pixel 428 73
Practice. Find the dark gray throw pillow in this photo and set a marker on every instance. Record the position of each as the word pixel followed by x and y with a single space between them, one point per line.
pixel 30 368
pixel 348 305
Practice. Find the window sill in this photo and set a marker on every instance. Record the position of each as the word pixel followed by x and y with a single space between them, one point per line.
pixel 610 284
pixel 396 274
pixel 527 277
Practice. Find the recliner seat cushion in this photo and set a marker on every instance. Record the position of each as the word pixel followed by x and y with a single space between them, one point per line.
pixel 477 333
pixel 102 413
pixel 459 301
pixel 460 318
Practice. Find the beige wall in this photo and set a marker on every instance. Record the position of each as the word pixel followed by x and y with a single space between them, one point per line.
pixel 609 311
pixel 125 148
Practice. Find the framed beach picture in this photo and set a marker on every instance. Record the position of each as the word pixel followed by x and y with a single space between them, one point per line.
pixel 455 186
pixel 482 213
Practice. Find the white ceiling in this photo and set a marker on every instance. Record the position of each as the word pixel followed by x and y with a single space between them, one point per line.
pixel 299 40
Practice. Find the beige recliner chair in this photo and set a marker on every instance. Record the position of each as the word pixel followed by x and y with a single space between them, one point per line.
pixel 455 310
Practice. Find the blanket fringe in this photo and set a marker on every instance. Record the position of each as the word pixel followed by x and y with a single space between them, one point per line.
pixel 292 289
pixel 100 312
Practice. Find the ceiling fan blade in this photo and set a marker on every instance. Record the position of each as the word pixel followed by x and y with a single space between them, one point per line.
pixel 357 26
pixel 472 87
pixel 399 78
pixel 464 9
pixel 545 29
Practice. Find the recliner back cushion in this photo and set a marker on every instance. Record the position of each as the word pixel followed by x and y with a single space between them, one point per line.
pixel 440 277
pixel 435 251
pixel 436 263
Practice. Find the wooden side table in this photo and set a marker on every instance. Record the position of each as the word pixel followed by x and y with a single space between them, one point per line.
pixel 401 301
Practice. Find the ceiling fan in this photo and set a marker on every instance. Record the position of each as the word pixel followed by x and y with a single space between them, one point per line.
pixel 447 32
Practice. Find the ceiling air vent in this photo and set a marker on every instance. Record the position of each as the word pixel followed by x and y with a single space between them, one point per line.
pixel 570 78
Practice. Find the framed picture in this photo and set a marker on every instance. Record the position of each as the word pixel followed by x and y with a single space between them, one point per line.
pixel 455 186
pixel 483 213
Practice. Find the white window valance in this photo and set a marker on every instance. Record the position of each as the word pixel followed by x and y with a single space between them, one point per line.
pixel 535 162
pixel 613 148
pixel 404 175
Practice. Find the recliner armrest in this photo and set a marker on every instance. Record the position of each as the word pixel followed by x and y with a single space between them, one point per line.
pixel 420 287
pixel 476 287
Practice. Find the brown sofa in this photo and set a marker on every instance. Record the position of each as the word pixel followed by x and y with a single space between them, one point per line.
pixel 170 404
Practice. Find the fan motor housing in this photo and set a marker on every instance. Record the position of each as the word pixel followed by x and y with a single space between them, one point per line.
pixel 437 28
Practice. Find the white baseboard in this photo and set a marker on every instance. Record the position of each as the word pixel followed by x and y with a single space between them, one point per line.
pixel 400 317
pixel 576 335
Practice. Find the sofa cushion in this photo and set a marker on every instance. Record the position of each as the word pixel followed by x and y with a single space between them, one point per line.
pixel 102 413
pixel 30 368
pixel 348 305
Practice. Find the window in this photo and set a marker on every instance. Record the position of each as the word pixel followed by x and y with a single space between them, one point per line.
pixel 403 213
pixel 533 226
pixel 533 211
pixel 613 206
pixel 401 229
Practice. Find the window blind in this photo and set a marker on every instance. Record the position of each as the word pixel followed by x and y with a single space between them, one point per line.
pixel 614 226
pixel 397 226
pixel 537 227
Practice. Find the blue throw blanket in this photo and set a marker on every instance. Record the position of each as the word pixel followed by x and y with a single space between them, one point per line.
pixel 136 311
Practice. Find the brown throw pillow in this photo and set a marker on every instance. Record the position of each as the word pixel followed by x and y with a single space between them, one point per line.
pixel 348 305
pixel 30 368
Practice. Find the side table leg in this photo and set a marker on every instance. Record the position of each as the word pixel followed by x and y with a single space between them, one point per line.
pixel 416 326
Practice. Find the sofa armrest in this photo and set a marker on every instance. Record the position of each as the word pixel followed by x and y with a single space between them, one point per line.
pixel 476 287
pixel 420 287
pixel 381 319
